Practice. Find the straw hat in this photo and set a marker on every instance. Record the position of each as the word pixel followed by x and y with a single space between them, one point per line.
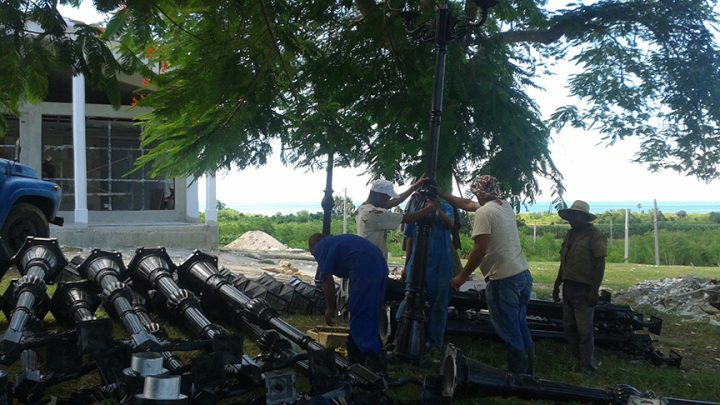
pixel 577 206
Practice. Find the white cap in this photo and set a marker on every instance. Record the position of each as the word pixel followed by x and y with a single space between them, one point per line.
pixel 383 187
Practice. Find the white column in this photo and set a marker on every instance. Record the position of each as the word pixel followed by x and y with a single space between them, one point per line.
pixel 192 209
pixel 79 151
pixel 31 152
pixel 211 214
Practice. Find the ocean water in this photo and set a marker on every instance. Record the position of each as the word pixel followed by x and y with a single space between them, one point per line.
pixel 669 207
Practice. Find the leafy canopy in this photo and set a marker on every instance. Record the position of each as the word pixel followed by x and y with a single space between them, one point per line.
pixel 34 42
pixel 343 77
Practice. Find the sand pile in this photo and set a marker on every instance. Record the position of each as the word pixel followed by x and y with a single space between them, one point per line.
pixel 256 240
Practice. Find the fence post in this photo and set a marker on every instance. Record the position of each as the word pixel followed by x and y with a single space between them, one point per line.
pixel 534 233
pixel 655 225
pixel 627 237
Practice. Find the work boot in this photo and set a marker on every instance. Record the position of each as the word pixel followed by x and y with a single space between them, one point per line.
pixel 530 352
pixel 354 353
pixel 377 362
pixel 517 362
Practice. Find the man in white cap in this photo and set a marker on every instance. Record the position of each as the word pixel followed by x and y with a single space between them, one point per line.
pixel 374 218
pixel 582 267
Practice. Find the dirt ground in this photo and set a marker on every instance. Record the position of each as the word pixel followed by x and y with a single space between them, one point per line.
pixel 282 264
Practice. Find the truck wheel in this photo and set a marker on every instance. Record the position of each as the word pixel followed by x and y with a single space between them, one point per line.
pixel 24 220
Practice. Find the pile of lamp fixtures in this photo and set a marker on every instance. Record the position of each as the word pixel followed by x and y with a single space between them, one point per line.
pixel 139 363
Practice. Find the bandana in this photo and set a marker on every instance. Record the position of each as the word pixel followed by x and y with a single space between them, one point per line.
pixel 485 186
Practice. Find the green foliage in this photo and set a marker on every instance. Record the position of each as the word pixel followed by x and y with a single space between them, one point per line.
pixel 337 210
pixel 715 217
pixel 34 44
pixel 328 78
pixel 343 79
pixel 646 61
pixel 233 224
pixel 691 240
pixel 292 229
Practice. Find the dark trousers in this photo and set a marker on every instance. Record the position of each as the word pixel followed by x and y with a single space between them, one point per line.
pixel 578 321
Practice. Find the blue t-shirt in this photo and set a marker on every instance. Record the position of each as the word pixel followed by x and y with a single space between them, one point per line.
pixel 439 243
pixel 348 256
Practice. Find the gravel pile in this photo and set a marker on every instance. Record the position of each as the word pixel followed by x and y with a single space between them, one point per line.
pixel 693 297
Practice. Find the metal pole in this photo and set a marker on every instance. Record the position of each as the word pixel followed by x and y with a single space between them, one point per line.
pixel 410 337
pixel 627 236
pixel 327 201
pixel 655 226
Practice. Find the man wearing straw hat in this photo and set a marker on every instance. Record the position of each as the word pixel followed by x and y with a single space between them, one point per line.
pixel 582 267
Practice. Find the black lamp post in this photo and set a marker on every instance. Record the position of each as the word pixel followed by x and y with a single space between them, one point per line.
pixel 39 260
pixel 327 201
pixel 410 336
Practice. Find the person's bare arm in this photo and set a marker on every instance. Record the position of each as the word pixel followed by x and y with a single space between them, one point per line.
pixel 408 253
pixel 476 257
pixel 328 289
pixel 431 206
pixel 394 202
pixel 460 202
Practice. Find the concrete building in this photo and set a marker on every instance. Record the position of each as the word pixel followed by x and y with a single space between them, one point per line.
pixel 78 140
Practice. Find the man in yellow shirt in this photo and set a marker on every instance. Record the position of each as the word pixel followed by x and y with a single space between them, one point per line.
pixel 582 267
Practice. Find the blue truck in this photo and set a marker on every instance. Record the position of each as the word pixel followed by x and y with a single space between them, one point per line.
pixel 28 205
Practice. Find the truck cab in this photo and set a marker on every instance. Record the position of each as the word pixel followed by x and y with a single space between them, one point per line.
pixel 28 205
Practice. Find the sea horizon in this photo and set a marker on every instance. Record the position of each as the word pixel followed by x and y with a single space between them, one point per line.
pixel 597 207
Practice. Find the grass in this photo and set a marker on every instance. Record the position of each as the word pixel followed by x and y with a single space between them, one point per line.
pixel 697 341
pixel 620 276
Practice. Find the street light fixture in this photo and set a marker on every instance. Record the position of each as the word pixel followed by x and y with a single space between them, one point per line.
pixel 410 337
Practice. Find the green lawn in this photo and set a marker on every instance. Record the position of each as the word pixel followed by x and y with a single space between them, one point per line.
pixel 697 341
pixel 618 276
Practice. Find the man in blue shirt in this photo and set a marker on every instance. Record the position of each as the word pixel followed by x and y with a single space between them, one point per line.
pixel 356 258
pixel 438 273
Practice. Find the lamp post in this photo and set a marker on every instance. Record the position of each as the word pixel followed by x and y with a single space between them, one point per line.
pixel 410 336
pixel 327 201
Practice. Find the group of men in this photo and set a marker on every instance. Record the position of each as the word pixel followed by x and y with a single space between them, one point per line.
pixel 496 251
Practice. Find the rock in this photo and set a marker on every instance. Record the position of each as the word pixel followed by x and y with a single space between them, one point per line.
pixel 283 267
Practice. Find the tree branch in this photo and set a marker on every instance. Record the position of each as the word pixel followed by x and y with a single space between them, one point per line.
pixel 471 9
pixel 276 47
pixel 544 36
pixel 173 22
pixel 365 7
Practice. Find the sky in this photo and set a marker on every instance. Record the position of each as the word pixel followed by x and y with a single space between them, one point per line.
pixel 591 171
